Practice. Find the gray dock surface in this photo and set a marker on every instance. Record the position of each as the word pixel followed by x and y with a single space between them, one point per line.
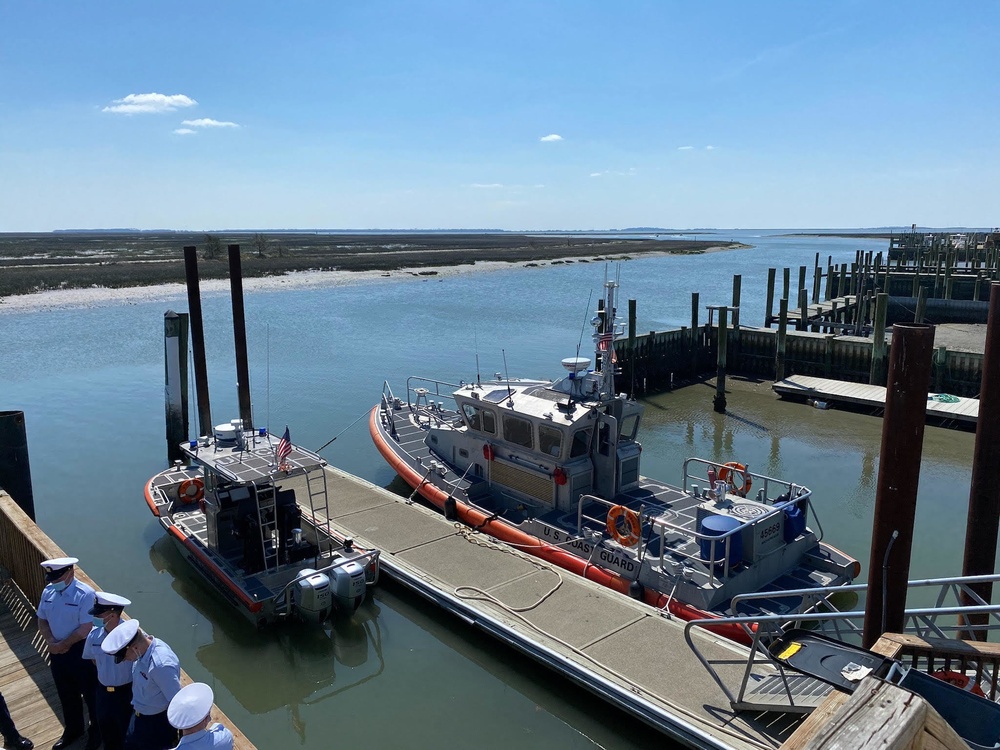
pixel 618 648
pixel 802 386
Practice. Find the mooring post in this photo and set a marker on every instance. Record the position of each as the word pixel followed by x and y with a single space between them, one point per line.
pixel 877 372
pixel 842 281
pixel 197 340
pixel 15 469
pixel 803 308
pixel 631 346
pixel 695 335
pixel 240 337
pixel 175 346
pixel 719 402
pixel 977 287
pixel 802 278
pixel 779 346
pixel 769 317
pixel 829 281
pixel 817 275
pixel 786 274
pixel 737 284
pixel 984 500
pixel 898 474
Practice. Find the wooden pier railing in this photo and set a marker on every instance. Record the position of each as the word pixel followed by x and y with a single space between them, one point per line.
pixel 25 680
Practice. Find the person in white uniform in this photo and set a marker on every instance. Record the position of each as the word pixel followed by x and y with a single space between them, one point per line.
pixel 156 678
pixel 64 622
pixel 190 711
pixel 114 680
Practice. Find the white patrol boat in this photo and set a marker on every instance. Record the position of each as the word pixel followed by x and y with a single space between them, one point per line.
pixel 250 512
pixel 552 467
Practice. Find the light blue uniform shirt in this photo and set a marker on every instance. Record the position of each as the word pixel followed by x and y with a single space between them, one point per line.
pixel 216 736
pixel 156 678
pixel 109 674
pixel 66 610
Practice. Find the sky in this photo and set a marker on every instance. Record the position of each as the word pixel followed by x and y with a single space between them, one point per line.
pixel 519 115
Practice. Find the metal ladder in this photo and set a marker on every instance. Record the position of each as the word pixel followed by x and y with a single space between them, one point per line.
pixel 319 499
pixel 267 520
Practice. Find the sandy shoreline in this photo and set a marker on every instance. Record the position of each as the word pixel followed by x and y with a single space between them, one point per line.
pixel 97 296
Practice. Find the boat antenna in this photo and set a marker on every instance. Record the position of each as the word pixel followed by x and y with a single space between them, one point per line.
pixel 506 372
pixel 475 333
pixel 583 328
pixel 267 386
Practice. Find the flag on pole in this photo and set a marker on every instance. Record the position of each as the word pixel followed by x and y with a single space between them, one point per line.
pixel 284 450
pixel 606 342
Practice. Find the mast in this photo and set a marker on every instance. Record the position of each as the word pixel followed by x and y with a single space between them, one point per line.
pixel 607 330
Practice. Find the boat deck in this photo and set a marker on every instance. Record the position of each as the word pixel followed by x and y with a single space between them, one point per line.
pixel 622 650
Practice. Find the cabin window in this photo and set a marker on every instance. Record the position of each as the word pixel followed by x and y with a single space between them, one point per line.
pixel 581 444
pixel 604 439
pixel 517 430
pixel 629 426
pixel 480 419
pixel 549 440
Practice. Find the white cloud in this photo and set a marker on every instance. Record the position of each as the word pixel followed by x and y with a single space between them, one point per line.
pixel 135 104
pixel 487 185
pixel 596 174
pixel 710 148
pixel 207 122
pixel 184 131
pixel 550 137
pixel 684 148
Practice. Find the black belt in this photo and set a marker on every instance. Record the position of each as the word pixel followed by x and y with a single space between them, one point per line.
pixel 138 713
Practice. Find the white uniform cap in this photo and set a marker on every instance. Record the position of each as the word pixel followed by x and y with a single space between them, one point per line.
pixel 103 601
pixel 190 705
pixel 120 637
pixel 59 562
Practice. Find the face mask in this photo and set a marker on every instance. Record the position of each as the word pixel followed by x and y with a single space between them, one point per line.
pixel 98 622
pixel 59 585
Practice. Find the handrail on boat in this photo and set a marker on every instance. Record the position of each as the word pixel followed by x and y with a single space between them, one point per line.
pixel 430 381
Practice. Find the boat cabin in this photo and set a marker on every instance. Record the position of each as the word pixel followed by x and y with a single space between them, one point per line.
pixel 547 442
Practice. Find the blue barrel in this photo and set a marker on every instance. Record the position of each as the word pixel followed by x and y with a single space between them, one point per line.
pixel 717 526
pixel 795 521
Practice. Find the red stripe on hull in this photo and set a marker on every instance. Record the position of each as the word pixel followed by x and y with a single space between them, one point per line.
pixel 253 606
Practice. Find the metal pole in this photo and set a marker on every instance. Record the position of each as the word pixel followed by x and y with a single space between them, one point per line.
pixel 197 340
pixel 240 337
pixel 898 474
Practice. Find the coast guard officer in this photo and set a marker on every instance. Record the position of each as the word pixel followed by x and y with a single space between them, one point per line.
pixel 64 622
pixel 156 678
pixel 191 711
pixel 114 688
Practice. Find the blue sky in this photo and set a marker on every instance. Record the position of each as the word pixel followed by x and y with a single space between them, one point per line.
pixel 541 114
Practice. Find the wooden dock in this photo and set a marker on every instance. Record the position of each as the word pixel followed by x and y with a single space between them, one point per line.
pixel 25 678
pixel 940 407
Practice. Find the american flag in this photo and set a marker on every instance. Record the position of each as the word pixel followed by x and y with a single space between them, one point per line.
pixel 604 343
pixel 284 450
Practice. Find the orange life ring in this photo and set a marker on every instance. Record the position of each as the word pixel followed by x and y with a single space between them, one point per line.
pixel 733 468
pixel 619 515
pixel 192 490
pixel 959 680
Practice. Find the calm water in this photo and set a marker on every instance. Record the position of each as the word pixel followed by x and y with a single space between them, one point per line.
pixel 90 382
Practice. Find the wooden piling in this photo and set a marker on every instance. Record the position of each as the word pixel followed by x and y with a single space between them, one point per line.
pixel 769 315
pixel 920 313
pixel 737 284
pixel 694 333
pixel 631 346
pixel 803 308
pixel 197 340
pixel 240 337
pixel 175 347
pixel 15 469
pixel 898 473
pixel 877 373
pixel 719 402
pixel 779 349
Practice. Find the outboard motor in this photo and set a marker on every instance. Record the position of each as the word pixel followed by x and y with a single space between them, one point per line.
pixel 312 597
pixel 349 586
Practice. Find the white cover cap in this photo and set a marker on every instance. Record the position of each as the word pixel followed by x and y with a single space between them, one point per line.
pixel 190 705
pixel 59 562
pixel 120 637
pixel 111 600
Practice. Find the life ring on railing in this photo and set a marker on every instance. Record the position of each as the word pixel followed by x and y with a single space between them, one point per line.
pixel 620 516
pixel 192 490
pixel 733 468
pixel 959 680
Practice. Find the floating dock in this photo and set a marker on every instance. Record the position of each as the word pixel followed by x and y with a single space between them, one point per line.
pixel 940 407
pixel 25 678
pixel 625 652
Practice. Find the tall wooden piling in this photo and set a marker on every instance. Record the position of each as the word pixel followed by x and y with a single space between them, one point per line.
pixel 735 344
pixel 175 347
pixel 803 308
pixel 779 347
pixel 197 340
pixel 15 469
pixel 984 500
pixel 899 470
pixel 694 333
pixel 877 372
pixel 240 337
pixel 920 313
pixel 786 281
pixel 719 402
pixel 631 346
pixel 769 315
